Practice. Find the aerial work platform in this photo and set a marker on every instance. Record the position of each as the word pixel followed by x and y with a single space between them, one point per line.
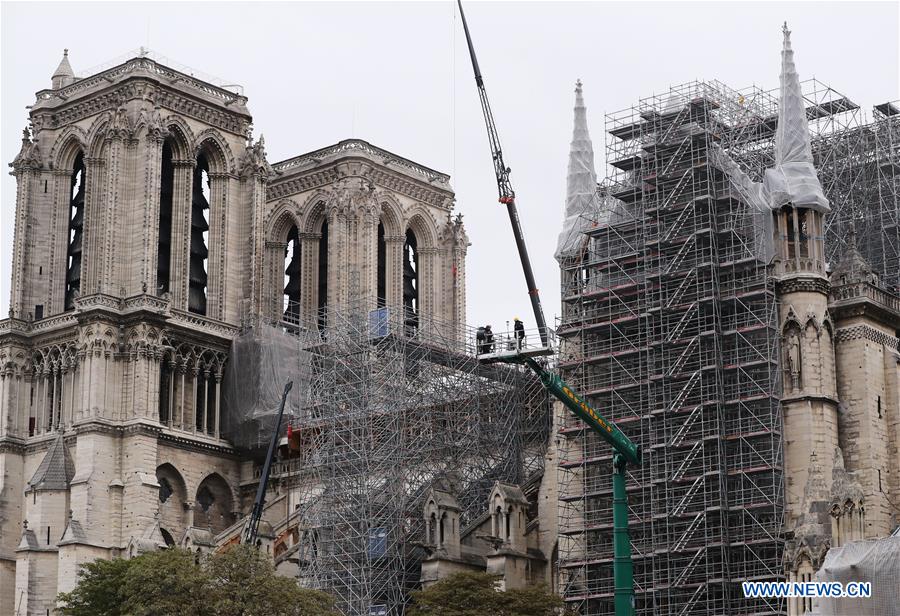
pixel 507 347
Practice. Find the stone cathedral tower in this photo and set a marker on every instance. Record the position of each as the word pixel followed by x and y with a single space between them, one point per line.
pixel 149 229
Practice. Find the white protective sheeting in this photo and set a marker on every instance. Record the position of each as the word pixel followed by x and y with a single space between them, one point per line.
pixel 581 185
pixel 793 179
pixel 876 561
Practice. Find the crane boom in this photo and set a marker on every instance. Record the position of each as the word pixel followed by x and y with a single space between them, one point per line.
pixel 504 187
pixel 251 531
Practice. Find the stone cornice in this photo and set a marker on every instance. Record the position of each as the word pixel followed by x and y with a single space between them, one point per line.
pixel 800 283
pixel 199 443
pixel 52 112
pixel 865 332
pixel 327 165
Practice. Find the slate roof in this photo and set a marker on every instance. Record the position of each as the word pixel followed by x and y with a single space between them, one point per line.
pixel 56 469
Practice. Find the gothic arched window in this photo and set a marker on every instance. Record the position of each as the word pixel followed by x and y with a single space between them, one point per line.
pixel 292 267
pixel 197 276
pixel 76 229
pixel 411 280
pixel 164 245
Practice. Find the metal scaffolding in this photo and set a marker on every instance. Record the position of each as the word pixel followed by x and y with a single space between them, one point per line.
pixel 388 410
pixel 669 327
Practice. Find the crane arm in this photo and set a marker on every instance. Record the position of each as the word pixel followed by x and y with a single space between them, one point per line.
pixel 252 529
pixel 623 445
pixel 504 187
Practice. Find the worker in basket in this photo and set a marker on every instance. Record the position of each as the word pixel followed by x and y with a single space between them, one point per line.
pixel 479 341
pixel 519 333
pixel 488 339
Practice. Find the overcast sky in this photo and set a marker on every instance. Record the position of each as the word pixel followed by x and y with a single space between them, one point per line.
pixel 398 75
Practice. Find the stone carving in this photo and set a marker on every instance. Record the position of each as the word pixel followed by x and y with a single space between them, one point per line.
pixel 792 358
pixel 29 156
pixel 254 162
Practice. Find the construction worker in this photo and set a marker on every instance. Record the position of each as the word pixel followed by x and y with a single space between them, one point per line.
pixel 488 339
pixel 480 346
pixel 519 333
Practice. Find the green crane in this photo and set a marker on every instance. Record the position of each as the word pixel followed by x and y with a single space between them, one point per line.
pixel 625 450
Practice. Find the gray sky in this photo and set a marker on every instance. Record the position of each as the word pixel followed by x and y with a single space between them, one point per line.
pixel 398 75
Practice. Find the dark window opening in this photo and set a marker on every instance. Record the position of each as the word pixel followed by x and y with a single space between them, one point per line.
pixel 167 537
pixel 38 312
pixel 165 489
pixel 411 281
pixel 292 277
pixel 205 499
pixel 381 298
pixel 76 229
pixel 211 406
pixel 164 376
pixel 804 232
pixel 323 276
pixel 879 407
pixel 164 245
pixel 45 187
pixel 197 277
pixel 199 400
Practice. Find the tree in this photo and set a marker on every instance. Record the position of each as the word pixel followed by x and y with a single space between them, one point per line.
pixel 244 583
pixel 99 590
pixel 238 582
pixel 476 594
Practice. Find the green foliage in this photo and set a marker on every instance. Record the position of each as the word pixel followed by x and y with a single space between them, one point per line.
pixel 475 594
pixel 238 582
pixel 99 590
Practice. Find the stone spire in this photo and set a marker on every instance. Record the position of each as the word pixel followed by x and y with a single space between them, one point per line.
pixel 581 181
pixel 852 266
pixel 64 75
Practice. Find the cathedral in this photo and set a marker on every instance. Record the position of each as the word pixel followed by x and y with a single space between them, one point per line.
pixel 722 302
pixel 150 228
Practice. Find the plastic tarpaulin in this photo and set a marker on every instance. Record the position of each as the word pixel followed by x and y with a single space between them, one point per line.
pixel 793 179
pixel 261 361
pixel 876 561
pixel 581 184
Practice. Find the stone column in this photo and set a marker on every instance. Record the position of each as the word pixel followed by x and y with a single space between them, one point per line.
pixel 393 245
pixel 309 277
pixel 218 253
pixel 181 232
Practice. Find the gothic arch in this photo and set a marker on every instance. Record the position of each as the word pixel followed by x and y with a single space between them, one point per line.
pixel 313 212
pixel 391 214
pixel 283 217
pixel 421 224
pixel 68 145
pixel 96 136
pixel 211 143
pixel 213 504
pixel 180 136
pixel 173 496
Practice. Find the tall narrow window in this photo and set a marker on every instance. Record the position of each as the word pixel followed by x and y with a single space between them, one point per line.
pixel 323 275
pixel 382 271
pixel 199 234
pixel 164 248
pixel 76 228
pixel 292 277
pixel 411 281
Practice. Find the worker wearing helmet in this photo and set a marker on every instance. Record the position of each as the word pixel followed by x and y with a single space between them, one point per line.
pixel 519 333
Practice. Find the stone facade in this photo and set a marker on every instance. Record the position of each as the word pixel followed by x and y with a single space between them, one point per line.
pixel 149 229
